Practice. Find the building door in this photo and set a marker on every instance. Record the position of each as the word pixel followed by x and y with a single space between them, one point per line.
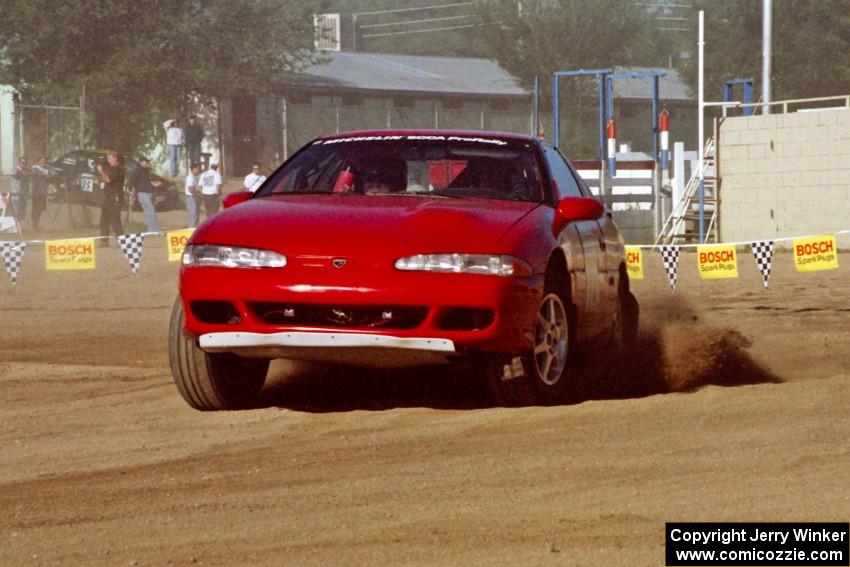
pixel 245 143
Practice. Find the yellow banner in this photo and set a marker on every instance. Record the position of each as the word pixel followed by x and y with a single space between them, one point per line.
pixel 77 254
pixel 816 253
pixel 176 240
pixel 717 261
pixel 634 262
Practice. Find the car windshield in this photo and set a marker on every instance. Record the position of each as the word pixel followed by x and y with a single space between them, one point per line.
pixel 439 165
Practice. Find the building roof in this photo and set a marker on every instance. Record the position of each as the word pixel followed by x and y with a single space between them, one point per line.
pixel 670 86
pixel 429 75
pixel 408 74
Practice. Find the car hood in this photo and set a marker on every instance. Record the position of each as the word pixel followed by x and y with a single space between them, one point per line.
pixel 364 224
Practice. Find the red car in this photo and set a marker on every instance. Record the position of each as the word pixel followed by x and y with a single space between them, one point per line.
pixel 403 247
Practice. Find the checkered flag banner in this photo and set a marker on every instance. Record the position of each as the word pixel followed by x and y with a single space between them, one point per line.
pixel 13 255
pixel 763 252
pixel 670 258
pixel 131 246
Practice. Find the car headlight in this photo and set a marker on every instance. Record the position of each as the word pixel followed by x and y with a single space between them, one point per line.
pixel 231 257
pixel 491 264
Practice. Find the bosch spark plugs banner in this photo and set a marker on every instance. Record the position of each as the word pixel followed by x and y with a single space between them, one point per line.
pixel 634 262
pixel 717 261
pixel 77 254
pixel 177 240
pixel 816 253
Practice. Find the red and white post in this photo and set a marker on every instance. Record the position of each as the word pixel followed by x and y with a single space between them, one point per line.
pixel 664 139
pixel 611 134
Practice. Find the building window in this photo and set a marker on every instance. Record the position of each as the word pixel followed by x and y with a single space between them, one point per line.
pixel 352 100
pixel 375 102
pixel 299 98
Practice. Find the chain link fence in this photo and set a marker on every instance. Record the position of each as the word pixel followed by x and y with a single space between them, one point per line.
pixel 305 121
pixel 47 131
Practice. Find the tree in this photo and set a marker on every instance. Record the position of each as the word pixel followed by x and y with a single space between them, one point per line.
pixel 141 61
pixel 531 38
pixel 809 40
pixel 536 38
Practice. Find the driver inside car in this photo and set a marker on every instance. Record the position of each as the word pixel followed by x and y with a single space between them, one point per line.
pixel 500 177
pixel 388 175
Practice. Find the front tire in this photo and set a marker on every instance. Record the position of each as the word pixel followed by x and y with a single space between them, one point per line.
pixel 542 375
pixel 211 381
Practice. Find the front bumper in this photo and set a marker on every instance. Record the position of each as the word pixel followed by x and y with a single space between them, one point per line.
pixel 512 301
pixel 330 347
pixel 232 342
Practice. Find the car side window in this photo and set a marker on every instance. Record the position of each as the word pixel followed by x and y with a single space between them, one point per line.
pixel 561 174
pixel 582 184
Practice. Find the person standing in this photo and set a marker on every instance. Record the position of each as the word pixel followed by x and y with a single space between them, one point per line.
pixel 140 182
pixel 174 139
pixel 20 189
pixel 194 134
pixel 112 185
pixel 211 190
pixel 254 179
pixel 193 193
pixel 40 176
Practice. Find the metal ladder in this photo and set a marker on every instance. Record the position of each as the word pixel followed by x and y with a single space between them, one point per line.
pixel 682 226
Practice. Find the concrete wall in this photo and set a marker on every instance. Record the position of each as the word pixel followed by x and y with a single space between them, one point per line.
pixel 636 226
pixel 7 131
pixel 784 174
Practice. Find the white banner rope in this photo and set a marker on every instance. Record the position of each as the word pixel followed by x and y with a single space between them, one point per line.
pixel 643 246
pixel 29 242
pixel 742 242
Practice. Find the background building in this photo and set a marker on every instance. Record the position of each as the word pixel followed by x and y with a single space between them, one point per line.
pixel 354 91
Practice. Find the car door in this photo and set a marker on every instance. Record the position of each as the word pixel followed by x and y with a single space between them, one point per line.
pixel 613 253
pixel 592 311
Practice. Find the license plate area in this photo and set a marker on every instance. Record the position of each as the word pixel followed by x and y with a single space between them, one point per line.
pixel 87 183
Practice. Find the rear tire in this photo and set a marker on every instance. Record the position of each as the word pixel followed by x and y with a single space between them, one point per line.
pixel 547 367
pixel 626 317
pixel 212 381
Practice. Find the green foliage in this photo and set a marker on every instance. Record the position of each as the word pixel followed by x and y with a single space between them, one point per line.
pixel 810 40
pixel 531 38
pixel 142 61
pixel 536 38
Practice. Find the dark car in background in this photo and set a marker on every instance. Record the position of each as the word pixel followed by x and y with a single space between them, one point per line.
pixel 77 181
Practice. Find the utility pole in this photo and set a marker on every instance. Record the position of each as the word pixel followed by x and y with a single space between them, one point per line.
pixel 701 123
pixel 765 53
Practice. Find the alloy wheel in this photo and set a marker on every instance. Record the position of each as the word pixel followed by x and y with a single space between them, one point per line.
pixel 551 339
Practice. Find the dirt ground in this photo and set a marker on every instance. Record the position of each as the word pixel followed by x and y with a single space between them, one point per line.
pixel 733 407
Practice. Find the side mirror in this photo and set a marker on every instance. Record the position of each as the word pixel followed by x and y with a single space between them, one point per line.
pixel 236 198
pixel 571 209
